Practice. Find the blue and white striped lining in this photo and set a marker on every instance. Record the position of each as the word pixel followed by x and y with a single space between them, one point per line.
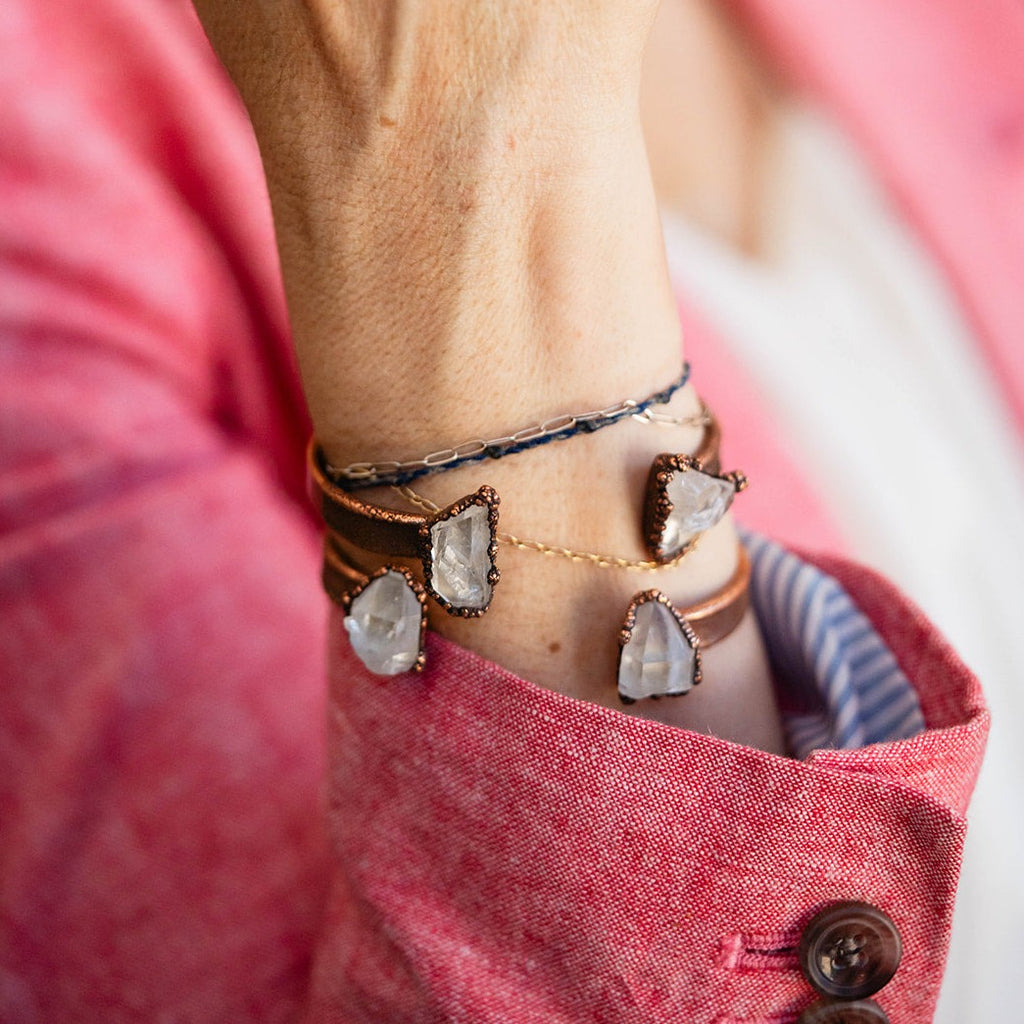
pixel 831 665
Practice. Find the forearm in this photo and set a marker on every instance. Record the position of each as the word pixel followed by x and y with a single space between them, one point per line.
pixel 470 245
pixel 475 230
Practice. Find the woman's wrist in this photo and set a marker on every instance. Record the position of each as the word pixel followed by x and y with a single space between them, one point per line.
pixel 556 621
pixel 477 297
pixel 470 243
pixel 463 206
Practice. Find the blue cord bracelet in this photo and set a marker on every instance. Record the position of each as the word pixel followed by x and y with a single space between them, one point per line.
pixel 363 475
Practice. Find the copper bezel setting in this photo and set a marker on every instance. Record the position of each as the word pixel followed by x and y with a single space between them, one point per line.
pixel 626 634
pixel 487 497
pixel 658 506
pixel 417 588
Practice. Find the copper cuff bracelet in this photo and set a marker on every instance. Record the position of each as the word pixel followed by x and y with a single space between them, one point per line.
pixel 385 610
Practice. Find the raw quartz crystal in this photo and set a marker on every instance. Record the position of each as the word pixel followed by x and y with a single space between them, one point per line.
pixel 698 502
pixel 460 558
pixel 383 624
pixel 658 661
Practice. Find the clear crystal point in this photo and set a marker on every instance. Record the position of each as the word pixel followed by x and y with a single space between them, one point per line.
pixel 658 659
pixel 460 558
pixel 383 624
pixel 699 501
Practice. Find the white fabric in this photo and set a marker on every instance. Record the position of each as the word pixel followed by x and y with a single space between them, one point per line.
pixel 877 387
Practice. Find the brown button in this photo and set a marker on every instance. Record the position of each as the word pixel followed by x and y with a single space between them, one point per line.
pixel 850 950
pixel 863 1011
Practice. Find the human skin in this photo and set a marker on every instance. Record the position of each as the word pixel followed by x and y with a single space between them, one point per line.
pixel 470 244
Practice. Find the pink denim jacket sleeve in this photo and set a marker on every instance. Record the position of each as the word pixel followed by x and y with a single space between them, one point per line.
pixel 512 854
pixel 177 839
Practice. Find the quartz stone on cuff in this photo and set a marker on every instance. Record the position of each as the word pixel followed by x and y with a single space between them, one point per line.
pixel 683 501
pixel 699 501
pixel 460 558
pixel 659 655
pixel 385 624
pixel 459 548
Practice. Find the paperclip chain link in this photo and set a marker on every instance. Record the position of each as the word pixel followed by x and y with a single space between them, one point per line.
pixel 369 474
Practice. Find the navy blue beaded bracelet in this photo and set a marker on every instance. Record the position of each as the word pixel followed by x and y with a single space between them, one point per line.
pixel 360 475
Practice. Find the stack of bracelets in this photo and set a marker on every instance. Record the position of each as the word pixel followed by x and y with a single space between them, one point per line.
pixel 386 610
